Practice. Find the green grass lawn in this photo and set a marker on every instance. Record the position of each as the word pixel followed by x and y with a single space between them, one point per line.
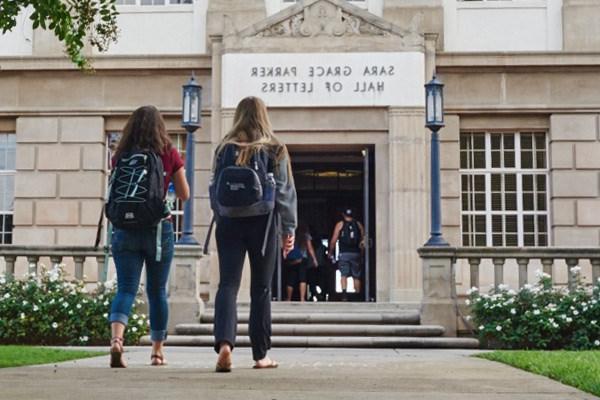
pixel 18 356
pixel 580 369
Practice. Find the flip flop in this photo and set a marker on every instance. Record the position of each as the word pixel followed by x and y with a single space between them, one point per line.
pixel 160 359
pixel 272 364
pixel 223 367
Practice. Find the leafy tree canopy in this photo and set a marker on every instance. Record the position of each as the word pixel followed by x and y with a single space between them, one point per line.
pixel 74 22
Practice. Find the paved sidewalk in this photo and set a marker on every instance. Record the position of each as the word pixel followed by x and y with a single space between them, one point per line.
pixel 344 374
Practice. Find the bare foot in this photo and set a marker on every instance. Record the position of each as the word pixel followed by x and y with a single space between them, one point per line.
pixel 265 363
pixel 224 359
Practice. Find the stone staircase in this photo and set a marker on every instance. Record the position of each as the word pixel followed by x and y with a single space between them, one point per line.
pixel 359 325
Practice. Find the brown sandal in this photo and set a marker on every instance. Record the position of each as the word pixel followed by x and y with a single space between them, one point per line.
pixel 116 353
pixel 157 360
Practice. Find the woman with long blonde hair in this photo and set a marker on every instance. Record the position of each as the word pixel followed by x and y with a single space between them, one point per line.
pixel 251 138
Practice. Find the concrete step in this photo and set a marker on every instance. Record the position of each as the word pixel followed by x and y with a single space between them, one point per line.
pixel 397 318
pixel 333 341
pixel 325 330
pixel 333 307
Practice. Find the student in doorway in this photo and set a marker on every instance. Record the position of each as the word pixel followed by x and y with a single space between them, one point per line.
pixel 250 144
pixel 350 234
pixel 145 134
pixel 298 262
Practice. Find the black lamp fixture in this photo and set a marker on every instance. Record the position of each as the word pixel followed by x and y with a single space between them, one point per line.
pixel 191 104
pixel 434 104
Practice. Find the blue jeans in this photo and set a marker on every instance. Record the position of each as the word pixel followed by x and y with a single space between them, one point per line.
pixel 131 248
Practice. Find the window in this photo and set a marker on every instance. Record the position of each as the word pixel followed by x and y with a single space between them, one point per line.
pixel 8 147
pixel 504 195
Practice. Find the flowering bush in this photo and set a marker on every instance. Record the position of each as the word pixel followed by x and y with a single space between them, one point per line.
pixel 538 316
pixel 51 310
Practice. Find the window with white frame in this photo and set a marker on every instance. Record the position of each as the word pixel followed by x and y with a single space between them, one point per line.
pixel 8 147
pixel 504 188
pixel 176 205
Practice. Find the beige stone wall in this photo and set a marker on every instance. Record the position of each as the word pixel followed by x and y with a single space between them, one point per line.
pixel 580 25
pixel 60 180
pixel 575 170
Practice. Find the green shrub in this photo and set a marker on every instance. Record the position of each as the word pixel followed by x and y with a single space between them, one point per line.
pixel 538 316
pixel 51 310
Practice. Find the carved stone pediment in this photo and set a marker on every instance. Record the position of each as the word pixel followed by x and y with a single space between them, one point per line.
pixel 333 18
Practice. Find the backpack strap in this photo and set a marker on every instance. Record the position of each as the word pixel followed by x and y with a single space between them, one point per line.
pixel 99 231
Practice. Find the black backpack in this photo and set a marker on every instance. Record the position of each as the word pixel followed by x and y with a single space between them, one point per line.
pixel 350 235
pixel 242 191
pixel 136 191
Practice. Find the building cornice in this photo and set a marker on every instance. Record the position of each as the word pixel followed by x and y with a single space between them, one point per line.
pixel 451 62
pixel 145 62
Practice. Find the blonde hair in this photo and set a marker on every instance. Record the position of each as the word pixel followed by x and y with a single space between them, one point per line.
pixel 252 132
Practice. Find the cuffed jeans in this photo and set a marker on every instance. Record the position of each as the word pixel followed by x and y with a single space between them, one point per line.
pixel 131 248
pixel 235 237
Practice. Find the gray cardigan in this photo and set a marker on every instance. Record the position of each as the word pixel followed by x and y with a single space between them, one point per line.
pixel 286 202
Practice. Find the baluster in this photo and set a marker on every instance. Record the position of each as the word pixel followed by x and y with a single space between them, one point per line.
pixel 79 260
pixel 547 263
pixel 56 260
pixel 498 271
pixel 101 271
pixel 595 270
pixel 10 266
pixel 474 263
pixel 33 264
pixel 572 278
pixel 523 263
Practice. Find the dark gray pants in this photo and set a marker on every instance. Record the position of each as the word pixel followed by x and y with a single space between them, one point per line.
pixel 235 238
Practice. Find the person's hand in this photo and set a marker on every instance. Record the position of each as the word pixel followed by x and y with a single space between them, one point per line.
pixel 315 263
pixel 287 244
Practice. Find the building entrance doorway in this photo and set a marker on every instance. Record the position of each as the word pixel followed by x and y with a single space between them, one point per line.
pixel 330 179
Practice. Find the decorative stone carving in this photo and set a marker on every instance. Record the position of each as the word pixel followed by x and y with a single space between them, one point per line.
pixel 323 19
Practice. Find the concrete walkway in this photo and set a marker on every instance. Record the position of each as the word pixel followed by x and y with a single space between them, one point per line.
pixel 304 374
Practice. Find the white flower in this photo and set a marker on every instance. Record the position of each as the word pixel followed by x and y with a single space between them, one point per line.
pixel 105 315
pixel 563 316
pixel 78 306
pixel 84 290
pixel 596 342
pixel 25 302
pixel 54 325
pixel 106 303
pixel 109 284
pixel 498 328
pixel 502 286
pixel 135 316
pixel 70 312
pixel 35 308
pixel 7 296
pixel 527 286
pixel 84 339
pixel 101 297
pixel 472 290
pixel 468 302
pixel 134 329
pixel 141 321
pixel 554 325
pixel 2 280
pixel 22 315
pixel 511 292
pixel 594 322
pixel 536 312
pixel 513 311
pixel 481 327
pixel 569 319
pixel 65 304
pixel 575 312
pixel 575 270
pixel 51 301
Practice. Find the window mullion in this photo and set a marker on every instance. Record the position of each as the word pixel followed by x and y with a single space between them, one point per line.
pixel 520 237
pixel 488 190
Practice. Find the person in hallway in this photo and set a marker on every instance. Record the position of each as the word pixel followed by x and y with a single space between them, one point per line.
pixel 350 234
pixel 250 145
pixel 145 131
pixel 298 262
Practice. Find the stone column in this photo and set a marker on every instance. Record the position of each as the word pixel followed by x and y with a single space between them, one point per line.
pixel 438 306
pixel 408 201
pixel 185 304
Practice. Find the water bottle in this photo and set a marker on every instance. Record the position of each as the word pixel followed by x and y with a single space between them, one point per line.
pixel 270 187
pixel 171 197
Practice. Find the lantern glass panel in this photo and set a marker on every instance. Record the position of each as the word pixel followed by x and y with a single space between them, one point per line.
pixel 430 106
pixel 194 109
pixel 439 107
pixel 186 106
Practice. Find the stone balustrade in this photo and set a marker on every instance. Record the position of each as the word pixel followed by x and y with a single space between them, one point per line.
pixel 185 304
pixel 439 305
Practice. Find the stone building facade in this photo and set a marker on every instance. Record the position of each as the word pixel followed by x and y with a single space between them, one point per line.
pixel 341 79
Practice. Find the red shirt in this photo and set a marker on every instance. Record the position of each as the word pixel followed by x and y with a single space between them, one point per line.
pixel 172 162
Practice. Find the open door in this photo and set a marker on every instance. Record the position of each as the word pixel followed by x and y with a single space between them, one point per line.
pixel 366 213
